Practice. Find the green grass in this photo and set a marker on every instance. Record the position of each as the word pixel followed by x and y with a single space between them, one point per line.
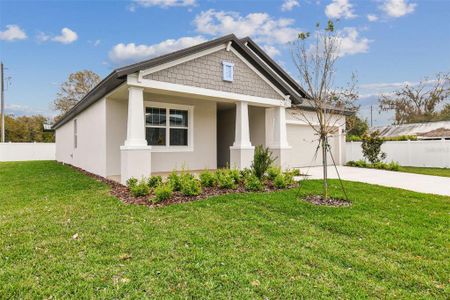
pixel 427 171
pixel 390 244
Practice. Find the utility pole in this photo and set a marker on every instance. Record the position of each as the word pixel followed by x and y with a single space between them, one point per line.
pixel 3 102
pixel 371 116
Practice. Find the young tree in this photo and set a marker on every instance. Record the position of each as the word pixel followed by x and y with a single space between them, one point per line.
pixel 315 56
pixel 76 86
pixel 417 102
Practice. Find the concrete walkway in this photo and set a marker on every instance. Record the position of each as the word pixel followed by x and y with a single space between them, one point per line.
pixel 408 181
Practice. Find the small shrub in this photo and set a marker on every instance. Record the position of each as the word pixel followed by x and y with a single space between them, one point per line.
pixel 295 172
pixel 225 180
pixel 131 182
pixel 280 182
pixel 252 183
pixel 245 173
pixel 208 179
pixel 359 163
pixel 163 192
pixel 289 178
pixel 190 186
pixel 371 147
pixel 394 166
pixel 273 172
pixel 140 189
pixel 154 181
pixel 174 181
pixel 235 174
pixel 261 161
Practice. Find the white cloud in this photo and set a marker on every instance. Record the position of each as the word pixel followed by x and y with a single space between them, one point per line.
pixel 271 50
pixel 12 33
pixel 351 43
pixel 25 110
pixel 372 18
pixel 129 53
pixel 260 26
pixel 67 36
pixel 289 5
pixel 161 3
pixel 398 8
pixel 340 9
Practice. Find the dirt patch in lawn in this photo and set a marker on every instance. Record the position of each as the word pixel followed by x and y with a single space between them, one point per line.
pixel 320 200
pixel 123 193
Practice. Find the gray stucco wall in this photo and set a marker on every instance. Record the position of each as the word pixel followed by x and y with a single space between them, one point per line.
pixel 206 72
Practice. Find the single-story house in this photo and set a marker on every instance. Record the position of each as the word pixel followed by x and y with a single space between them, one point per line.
pixel 203 107
pixel 423 131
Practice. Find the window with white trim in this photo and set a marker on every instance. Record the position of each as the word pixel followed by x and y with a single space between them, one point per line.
pixel 167 126
pixel 75 134
pixel 228 71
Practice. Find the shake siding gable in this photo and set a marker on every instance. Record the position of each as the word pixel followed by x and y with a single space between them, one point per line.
pixel 206 72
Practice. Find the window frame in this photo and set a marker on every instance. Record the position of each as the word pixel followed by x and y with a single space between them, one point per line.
pixel 190 126
pixel 225 65
pixel 75 133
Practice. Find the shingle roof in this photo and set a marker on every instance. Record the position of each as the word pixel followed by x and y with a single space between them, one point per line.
pixel 118 76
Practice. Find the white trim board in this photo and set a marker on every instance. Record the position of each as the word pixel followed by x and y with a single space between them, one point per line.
pixel 227 47
pixel 202 93
pixel 252 67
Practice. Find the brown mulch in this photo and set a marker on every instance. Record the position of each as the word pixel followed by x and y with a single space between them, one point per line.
pixel 319 200
pixel 123 193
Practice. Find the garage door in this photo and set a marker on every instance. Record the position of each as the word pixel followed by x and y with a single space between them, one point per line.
pixel 304 141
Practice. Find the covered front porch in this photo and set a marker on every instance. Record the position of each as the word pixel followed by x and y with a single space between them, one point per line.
pixel 194 129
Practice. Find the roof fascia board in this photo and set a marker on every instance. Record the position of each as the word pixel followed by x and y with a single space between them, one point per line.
pixel 281 78
pixel 269 61
pixel 252 67
pixel 264 69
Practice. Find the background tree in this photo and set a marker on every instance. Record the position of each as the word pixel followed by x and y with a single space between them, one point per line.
pixel 27 129
pixel 356 126
pixel 315 57
pixel 76 86
pixel 417 103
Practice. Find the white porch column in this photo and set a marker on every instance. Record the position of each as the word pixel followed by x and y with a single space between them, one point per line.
pixel 135 153
pixel 276 134
pixel 241 153
pixel 136 118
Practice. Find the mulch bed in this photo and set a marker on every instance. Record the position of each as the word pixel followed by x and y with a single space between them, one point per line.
pixel 123 193
pixel 319 200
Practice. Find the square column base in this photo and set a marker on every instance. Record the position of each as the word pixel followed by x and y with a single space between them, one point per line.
pixel 135 162
pixel 241 158
pixel 281 155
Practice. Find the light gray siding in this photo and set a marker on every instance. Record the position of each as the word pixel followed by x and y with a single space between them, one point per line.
pixel 206 72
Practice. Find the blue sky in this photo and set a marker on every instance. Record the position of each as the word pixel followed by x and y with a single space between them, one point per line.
pixel 386 42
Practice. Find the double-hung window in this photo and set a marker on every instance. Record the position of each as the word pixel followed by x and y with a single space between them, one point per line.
pixel 168 127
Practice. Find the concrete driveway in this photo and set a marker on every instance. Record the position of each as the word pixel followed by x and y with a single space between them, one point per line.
pixel 408 181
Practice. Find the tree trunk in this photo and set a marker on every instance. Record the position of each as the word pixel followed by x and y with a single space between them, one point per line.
pixel 324 142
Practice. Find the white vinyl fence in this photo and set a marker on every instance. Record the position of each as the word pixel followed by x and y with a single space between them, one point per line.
pixel 429 153
pixel 27 151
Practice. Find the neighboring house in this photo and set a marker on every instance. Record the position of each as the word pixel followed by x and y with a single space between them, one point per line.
pixel 423 131
pixel 202 107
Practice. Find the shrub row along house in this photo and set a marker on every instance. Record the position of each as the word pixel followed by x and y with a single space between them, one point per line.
pixel 203 107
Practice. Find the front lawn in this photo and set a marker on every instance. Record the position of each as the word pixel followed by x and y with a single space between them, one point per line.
pixel 63 236
pixel 426 171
